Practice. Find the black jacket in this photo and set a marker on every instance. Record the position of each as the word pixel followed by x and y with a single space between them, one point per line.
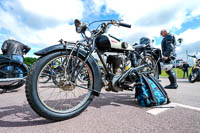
pixel 10 47
pixel 185 67
pixel 167 45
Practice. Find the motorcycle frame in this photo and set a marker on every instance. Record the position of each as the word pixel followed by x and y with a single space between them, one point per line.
pixel 92 49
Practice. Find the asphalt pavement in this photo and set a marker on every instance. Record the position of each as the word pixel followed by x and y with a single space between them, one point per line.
pixel 109 113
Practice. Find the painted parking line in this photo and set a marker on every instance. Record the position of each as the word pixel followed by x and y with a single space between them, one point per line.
pixel 159 109
pixel 188 106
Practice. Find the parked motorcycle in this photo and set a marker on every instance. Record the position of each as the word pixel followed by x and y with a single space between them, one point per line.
pixel 70 96
pixel 149 54
pixel 195 73
pixel 9 73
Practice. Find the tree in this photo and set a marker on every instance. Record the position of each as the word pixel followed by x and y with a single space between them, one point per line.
pixel 29 60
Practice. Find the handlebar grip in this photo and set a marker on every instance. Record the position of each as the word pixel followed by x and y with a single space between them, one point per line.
pixel 125 25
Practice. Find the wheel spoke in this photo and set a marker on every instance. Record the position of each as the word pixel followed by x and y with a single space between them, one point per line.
pixel 64 96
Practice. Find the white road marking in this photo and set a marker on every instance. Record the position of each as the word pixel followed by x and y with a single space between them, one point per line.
pixel 159 109
pixel 187 106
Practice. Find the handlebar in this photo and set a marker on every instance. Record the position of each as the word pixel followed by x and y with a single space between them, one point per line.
pixel 193 56
pixel 125 25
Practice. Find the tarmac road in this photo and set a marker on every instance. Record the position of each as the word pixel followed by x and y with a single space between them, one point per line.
pixel 109 113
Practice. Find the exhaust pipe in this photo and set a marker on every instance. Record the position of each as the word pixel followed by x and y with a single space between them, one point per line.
pixel 10 81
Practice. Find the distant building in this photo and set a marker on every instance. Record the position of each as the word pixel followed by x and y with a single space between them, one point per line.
pixel 179 63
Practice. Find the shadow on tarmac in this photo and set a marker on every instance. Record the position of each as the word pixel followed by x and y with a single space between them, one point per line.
pixel 20 116
pixel 115 99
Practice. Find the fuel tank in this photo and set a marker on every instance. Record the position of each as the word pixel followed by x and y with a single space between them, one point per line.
pixel 108 43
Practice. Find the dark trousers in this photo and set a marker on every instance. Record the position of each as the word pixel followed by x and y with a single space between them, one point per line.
pixel 186 71
pixel 172 77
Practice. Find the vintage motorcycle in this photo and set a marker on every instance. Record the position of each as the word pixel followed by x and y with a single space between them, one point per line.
pixel 195 73
pixel 70 96
pixel 9 73
pixel 149 54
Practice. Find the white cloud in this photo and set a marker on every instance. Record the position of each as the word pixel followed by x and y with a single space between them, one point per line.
pixel 56 9
pixel 46 36
pixel 52 35
pixel 149 17
pixel 190 36
pixel 190 43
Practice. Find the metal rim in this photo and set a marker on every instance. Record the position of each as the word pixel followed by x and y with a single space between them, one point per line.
pixel 63 99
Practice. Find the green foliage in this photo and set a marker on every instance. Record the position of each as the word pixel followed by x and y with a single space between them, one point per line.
pixel 29 60
pixel 179 72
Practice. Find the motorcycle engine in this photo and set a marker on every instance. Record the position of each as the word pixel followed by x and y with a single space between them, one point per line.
pixel 114 62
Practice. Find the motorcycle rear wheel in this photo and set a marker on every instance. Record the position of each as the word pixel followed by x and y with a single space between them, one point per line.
pixel 12 74
pixel 152 62
pixel 54 101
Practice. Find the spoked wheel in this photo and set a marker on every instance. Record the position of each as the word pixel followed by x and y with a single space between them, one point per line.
pixel 194 76
pixel 65 99
pixel 45 76
pixel 14 70
pixel 149 59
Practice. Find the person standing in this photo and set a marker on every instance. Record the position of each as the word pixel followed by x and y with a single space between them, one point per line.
pixel 16 50
pixel 168 52
pixel 185 68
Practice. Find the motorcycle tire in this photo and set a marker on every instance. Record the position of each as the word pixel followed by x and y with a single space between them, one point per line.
pixel 45 108
pixel 12 75
pixel 194 76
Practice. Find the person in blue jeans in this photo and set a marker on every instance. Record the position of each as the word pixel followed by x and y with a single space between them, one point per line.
pixel 15 50
pixel 185 69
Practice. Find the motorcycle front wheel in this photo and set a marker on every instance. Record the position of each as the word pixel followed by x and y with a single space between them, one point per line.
pixel 65 99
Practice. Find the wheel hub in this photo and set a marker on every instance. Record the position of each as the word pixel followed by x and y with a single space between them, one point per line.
pixel 66 86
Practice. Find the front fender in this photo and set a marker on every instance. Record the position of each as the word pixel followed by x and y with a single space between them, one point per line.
pixel 50 49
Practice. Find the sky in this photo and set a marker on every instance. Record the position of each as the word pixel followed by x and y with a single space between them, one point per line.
pixel 41 23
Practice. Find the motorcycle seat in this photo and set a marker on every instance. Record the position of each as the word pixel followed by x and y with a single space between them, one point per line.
pixel 141 46
pixel 5 57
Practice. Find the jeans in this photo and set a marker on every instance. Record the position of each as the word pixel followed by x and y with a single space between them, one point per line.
pixel 19 59
pixel 184 73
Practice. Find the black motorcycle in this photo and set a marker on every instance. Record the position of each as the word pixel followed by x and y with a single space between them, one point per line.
pixel 149 54
pixel 70 96
pixel 9 73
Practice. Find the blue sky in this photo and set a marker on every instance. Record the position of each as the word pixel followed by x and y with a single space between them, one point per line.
pixel 39 24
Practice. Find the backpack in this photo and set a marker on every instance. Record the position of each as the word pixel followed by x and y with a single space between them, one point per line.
pixel 149 92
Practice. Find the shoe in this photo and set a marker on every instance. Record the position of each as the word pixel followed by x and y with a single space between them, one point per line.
pixel 171 86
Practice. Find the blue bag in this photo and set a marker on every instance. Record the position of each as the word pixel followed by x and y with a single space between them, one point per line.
pixel 149 92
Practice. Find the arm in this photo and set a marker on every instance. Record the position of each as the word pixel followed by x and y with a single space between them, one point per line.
pixel 4 47
pixel 26 49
